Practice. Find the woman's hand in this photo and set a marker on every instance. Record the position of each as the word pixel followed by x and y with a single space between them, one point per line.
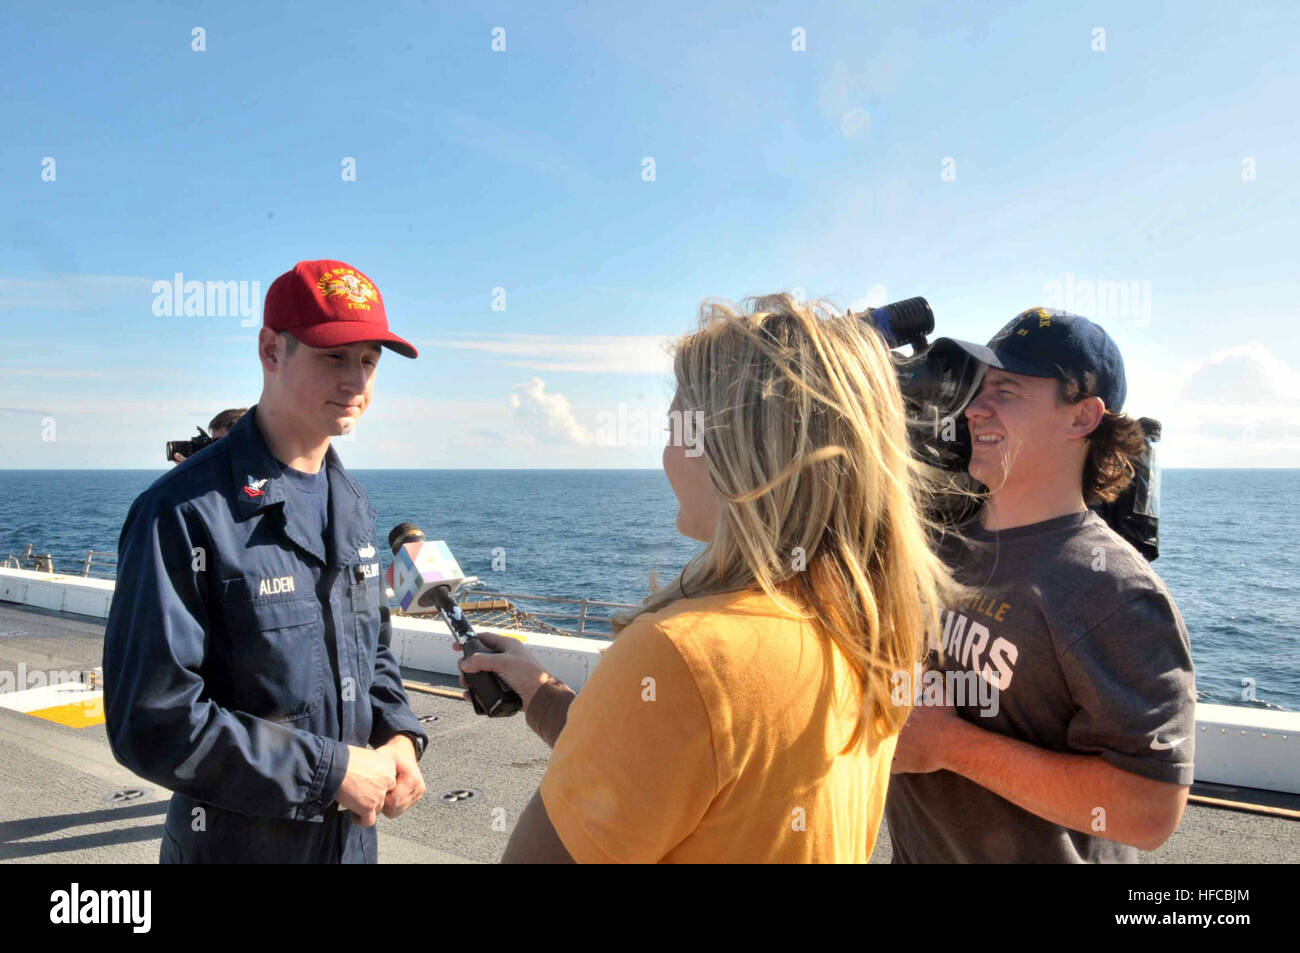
pixel 514 663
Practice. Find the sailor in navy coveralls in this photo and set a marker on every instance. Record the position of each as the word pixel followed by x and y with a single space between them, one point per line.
pixel 246 656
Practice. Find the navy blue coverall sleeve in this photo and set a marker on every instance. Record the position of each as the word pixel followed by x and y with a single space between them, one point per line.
pixel 390 709
pixel 161 725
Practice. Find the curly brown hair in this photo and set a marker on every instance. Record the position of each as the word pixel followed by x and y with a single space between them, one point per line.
pixel 1115 447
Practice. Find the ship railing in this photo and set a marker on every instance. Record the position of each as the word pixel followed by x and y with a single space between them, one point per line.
pixel 96 565
pixel 584 617
pixel 103 565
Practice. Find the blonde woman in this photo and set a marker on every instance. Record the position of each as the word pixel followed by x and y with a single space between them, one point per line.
pixel 744 713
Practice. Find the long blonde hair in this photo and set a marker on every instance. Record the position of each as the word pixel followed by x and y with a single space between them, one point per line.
pixel 821 501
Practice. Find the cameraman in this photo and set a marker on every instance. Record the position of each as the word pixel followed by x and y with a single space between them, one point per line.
pixel 218 427
pixel 1088 753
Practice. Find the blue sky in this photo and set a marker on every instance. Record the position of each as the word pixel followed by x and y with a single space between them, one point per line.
pixel 1166 164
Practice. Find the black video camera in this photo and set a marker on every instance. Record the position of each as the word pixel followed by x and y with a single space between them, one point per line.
pixel 939 380
pixel 187 448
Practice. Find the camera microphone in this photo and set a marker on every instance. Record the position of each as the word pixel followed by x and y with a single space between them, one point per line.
pixel 903 322
pixel 423 576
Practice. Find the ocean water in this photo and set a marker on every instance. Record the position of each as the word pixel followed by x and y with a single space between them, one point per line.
pixel 1229 545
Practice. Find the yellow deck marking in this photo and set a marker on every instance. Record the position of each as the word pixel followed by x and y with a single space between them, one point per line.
pixel 67 703
pixel 77 715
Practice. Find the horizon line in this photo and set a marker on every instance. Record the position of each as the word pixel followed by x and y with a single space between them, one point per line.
pixel 505 469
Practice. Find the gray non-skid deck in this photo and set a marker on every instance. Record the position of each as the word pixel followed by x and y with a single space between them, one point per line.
pixel 57 783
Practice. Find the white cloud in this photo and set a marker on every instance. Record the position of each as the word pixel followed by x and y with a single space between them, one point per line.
pixel 585 353
pixel 402 430
pixel 1236 407
pixel 51 372
pixel 874 298
pixel 515 145
pixel 855 123
pixel 1244 375
pixel 846 92
pixel 70 291
pixel 530 402
pixel 95 407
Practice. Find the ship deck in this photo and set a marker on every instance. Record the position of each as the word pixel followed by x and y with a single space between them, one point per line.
pixel 62 800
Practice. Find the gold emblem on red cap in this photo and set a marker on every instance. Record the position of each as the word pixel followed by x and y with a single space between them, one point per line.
pixel 350 284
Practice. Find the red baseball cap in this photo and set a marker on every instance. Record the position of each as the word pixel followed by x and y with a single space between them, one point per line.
pixel 328 303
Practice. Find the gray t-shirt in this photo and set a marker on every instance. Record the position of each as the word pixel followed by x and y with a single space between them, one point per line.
pixel 1075 645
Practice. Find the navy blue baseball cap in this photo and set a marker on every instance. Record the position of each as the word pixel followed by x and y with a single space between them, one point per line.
pixel 1045 342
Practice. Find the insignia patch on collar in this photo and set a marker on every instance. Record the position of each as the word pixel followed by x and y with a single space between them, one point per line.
pixel 254 488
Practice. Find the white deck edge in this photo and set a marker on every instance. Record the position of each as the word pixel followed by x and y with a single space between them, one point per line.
pixel 1235 745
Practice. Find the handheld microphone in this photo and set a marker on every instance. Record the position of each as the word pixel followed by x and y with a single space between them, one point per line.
pixel 423 577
